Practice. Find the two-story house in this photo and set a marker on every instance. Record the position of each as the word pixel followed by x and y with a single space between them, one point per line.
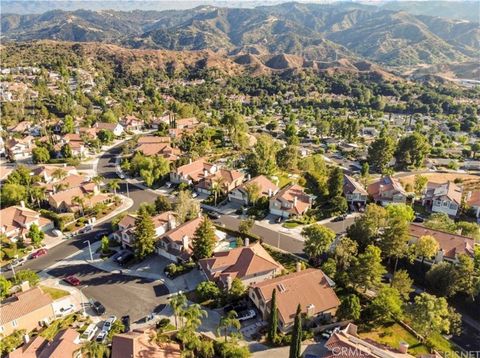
pixel 46 172
pixel 354 192
pixel 77 198
pixel 290 201
pixel 443 198
pixel 131 123
pixel 15 222
pixel 115 128
pixel 387 190
pixel 250 264
pixel 226 179
pixel 193 172
pixel 310 288
pixel 265 187
pixel 19 148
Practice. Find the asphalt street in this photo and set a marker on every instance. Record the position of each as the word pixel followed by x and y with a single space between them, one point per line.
pixel 120 294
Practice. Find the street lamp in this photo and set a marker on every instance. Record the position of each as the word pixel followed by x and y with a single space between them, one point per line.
pixel 81 299
pixel 89 249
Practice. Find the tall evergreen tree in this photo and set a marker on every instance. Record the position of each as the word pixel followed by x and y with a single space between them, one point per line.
pixel 204 240
pixel 144 235
pixel 296 343
pixel 273 321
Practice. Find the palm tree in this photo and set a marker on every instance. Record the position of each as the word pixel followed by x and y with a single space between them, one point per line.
pixel 94 349
pixel 217 187
pixel 178 304
pixel 80 202
pixel 228 322
pixel 114 185
pixel 37 195
pixel 194 314
pixel 59 174
pixel 98 179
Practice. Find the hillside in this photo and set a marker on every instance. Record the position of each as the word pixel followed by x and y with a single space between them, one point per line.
pixel 312 31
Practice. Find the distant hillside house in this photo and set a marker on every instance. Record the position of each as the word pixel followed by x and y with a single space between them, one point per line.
pixel 240 195
pixel 15 222
pixel 183 125
pixel 193 172
pixel 451 245
pixel 443 198
pixel 250 264
pixel 310 288
pixel 290 201
pixel 387 190
pixel 131 123
pixel 354 192
pixel 115 128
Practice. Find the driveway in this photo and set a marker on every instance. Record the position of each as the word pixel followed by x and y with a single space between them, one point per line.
pixel 120 294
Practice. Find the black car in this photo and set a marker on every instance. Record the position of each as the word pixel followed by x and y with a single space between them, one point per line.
pixel 213 215
pixel 101 234
pixel 418 219
pixel 98 308
pixel 125 259
pixel 238 307
pixel 340 218
pixel 126 323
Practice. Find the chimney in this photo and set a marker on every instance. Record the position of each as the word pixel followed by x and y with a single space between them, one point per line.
pixel 171 222
pixel 24 286
pixel 310 310
pixel 185 242
pixel 205 173
pixel 26 338
pixel 270 192
pixel 298 266
pixel 247 241
pixel 352 329
pixel 229 282
pixel 403 347
pixel 22 204
pixel 249 177
pixel 295 201
pixel 189 160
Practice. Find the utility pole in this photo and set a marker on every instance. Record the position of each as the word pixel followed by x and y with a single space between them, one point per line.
pixel 89 249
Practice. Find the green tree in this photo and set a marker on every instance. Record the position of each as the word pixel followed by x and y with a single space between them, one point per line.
pixel 178 304
pixel 27 275
pixel 335 183
pixel 468 279
pixel 204 240
pixel 387 304
pixel 287 158
pixel 318 240
pixel 412 151
pixel 35 234
pixel 426 247
pixel 253 191
pixel 263 160
pixel 349 308
pixel 366 229
pixel 12 194
pixel 185 207
pixel 419 184
pixel 394 240
pixel 237 290
pixel 144 233
pixel 105 245
pixel 345 251
pixel 441 221
pixel 429 315
pixel 403 283
pixel 273 318
pixel 68 125
pixel 114 185
pixel 400 210
pixel 40 155
pixel 296 342
pixel 93 349
pixel 228 323
pixel 109 117
pixel 246 226
pixel 105 136
pixel 207 290
pixel 380 152
pixel 66 151
pixel 162 204
pixel 443 278
pixel 5 286
pixel 368 269
pixel 12 342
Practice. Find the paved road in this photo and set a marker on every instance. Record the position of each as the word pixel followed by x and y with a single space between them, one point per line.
pixel 120 294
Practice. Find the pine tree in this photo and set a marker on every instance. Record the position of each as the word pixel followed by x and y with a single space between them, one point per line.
pixel 296 343
pixel 273 321
pixel 144 236
pixel 204 240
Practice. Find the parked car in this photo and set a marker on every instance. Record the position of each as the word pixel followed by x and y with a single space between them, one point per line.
pixel 245 315
pixel 72 280
pixel 121 175
pixel 340 218
pixel 17 262
pixel 194 194
pixel 168 184
pixel 102 336
pixel 98 308
pixel 107 325
pixel 418 219
pixel 126 323
pixel 213 215
pixel 125 259
pixel 238 307
pixel 57 233
pixel 39 253
pixel 88 334
pixel 66 310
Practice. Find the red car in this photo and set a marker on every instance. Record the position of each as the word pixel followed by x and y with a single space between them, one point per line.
pixel 39 253
pixel 72 280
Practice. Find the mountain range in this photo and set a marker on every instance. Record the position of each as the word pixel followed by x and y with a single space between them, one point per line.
pixel 314 32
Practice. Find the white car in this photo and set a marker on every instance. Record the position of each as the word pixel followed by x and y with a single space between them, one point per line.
pixel 245 315
pixel 107 326
pixel 66 310
pixel 102 336
pixel 57 233
pixel 194 195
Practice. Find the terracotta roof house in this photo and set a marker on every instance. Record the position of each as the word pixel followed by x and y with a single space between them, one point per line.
pixel 176 244
pixel 183 125
pixel 64 201
pixel 251 264
pixel 387 190
pixel 310 288
pixel 354 192
pixel 25 310
pixel 346 343
pixel 161 149
pixel 46 171
pixel 451 245
pixel 290 201
pixel 66 343
pixel 69 182
pixel 473 201
pixel 151 139
pixel 20 127
pixel 193 172
pixel 227 180
pixel 115 128
pixel 15 221
pixel 139 343
pixel 443 198
pixel 19 148
pixel 131 123
pixel 240 195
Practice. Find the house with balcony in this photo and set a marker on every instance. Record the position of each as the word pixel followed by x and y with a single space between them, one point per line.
pixel 387 190
pixel 290 201
pixel 443 198
pixel 15 222
pixel 265 186
pixel 354 192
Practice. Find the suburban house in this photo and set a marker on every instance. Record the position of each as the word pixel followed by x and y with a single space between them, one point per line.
pixel 265 186
pixel 76 143
pixel 19 148
pixel 193 172
pixel 310 288
pixel 226 179
pixel 176 244
pixel 451 245
pixel 473 201
pixel 151 139
pixel 131 123
pixel 290 201
pixel 46 171
pixel 15 221
pixel 115 128
pixel 250 264
pixel 66 343
pixel 183 125
pixel 26 310
pixel 387 190
pixel 354 192
pixel 161 149
pixel 346 343
pixel 139 343
pixel 125 234
pixel 443 198
pixel 20 128
pixel 66 200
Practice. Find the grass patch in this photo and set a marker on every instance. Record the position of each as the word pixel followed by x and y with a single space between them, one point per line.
pixel 54 293
pixel 288 261
pixel 290 224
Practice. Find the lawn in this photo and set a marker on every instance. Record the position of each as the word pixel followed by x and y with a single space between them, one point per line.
pixel 290 224
pixel 288 261
pixel 55 293
pixel 391 334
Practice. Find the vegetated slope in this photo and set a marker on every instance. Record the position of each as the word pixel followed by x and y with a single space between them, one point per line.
pixel 312 31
